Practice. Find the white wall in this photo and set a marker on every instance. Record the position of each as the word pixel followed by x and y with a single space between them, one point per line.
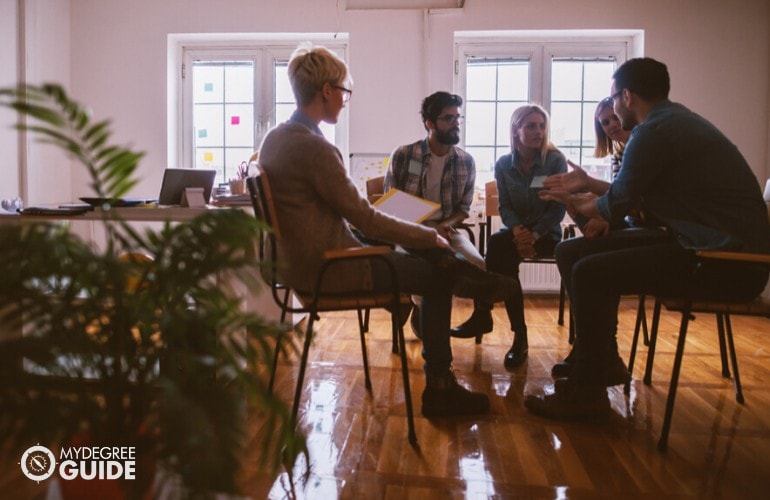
pixel 718 54
pixel 9 145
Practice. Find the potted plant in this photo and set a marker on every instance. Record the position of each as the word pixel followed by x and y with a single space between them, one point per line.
pixel 148 351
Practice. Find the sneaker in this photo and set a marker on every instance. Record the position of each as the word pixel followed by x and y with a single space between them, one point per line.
pixel 571 401
pixel 617 372
pixel 414 322
pixel 444 397
pixel 479 323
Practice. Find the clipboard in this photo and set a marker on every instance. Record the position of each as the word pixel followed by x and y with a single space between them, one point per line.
pixel 406 206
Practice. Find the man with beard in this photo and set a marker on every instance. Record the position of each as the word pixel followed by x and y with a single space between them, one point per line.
pixel 437 170
pixel 697 192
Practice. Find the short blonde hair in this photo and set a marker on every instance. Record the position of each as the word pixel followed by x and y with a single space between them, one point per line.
pixel 517 121
pixel 310 67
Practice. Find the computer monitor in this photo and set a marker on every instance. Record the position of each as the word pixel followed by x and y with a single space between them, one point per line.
pixel 176 180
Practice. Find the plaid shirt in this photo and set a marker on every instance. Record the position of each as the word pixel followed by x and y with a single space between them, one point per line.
pixel 407 171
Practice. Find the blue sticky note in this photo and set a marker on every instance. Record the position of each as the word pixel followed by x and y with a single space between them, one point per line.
pixel 208 87
pixel 202 133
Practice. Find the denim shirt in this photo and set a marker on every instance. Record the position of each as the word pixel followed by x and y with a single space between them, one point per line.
pixel 689 177
pixel 520 204
pixel 407 171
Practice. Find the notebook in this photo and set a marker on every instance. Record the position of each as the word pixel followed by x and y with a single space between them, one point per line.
pixel 176 180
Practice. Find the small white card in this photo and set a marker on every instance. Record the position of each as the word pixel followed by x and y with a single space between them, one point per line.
pixel 193 198
pixel 537 181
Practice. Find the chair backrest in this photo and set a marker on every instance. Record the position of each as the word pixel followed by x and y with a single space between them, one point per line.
pixel 492 200
pixel 264 211
pixel 375 188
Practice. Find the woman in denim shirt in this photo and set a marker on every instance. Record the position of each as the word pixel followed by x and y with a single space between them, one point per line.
pixel 532 227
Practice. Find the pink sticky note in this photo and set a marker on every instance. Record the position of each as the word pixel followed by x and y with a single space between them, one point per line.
pixel 235 120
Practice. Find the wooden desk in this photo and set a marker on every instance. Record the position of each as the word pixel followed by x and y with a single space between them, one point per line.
pixel 89 227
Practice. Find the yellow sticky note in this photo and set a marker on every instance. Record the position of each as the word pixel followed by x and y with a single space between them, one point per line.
pixel 208 156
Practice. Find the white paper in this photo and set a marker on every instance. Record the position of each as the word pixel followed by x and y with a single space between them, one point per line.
pixel 537 181
pixel 406 206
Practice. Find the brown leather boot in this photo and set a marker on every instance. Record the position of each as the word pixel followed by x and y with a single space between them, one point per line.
pixel 444 397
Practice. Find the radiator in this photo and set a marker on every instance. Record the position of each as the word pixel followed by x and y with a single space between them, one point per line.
pixel 540 278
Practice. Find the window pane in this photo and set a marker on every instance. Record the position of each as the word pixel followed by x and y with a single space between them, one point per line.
pixel 504 112
pixel 239 125
pixel 208 124
pixel 513 81
pixel 207 83
pixel 283 112
pixel 598 79
pixel 481 81
pixel 566 80
pixel 283 92
pixel 480 123
pixel 565 124
pixel 239 82
pixel 485 163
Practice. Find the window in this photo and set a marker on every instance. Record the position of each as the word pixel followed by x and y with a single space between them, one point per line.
pixel 567 73
pixel 229 94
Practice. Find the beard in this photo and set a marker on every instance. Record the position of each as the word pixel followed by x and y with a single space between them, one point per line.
pixel 449 138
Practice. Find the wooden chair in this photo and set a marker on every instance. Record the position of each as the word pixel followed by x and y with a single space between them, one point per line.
pixel 687 306
pixel 315 301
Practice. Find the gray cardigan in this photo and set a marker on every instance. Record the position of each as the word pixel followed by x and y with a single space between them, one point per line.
pixel 314 201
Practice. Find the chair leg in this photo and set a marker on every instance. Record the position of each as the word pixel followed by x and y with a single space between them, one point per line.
pixel 722 345
pixel 632 356
pixel 666 427
pixel 366 319
pixel 562 297
pixel 312 315
pixel 641 319
pixel 275 365
pixel 733 359
pixel 571 338
pixel 653 341
pixel 361 332
pixel 398 331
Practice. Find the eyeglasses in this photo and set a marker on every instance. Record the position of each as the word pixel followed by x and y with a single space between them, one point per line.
pixel 451 118
pixel 346 93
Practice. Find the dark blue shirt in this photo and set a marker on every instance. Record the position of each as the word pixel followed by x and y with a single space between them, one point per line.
pixel 687 175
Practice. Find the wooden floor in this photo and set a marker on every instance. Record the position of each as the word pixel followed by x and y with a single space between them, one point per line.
pixel 358 442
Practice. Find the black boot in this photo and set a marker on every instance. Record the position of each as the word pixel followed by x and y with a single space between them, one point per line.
pixel 444 397
pixel 479 323
pixel 518 352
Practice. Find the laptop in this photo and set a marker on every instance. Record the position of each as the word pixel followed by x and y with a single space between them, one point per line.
pixel 176 180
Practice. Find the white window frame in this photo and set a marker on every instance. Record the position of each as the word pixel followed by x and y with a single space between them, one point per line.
pixel 264 50
pixel 540 46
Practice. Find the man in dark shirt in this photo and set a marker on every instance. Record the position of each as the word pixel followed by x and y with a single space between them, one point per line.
pixel 698 193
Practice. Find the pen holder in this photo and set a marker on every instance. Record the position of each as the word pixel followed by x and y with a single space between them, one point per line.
pixel 237 186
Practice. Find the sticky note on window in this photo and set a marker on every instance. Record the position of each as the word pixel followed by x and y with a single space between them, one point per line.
pixel 203 133
pixel 208 87
pixel 208 156
pixel 235 120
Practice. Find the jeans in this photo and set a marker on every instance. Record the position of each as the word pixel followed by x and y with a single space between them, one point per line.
pixel 419 276
pixel 635 261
